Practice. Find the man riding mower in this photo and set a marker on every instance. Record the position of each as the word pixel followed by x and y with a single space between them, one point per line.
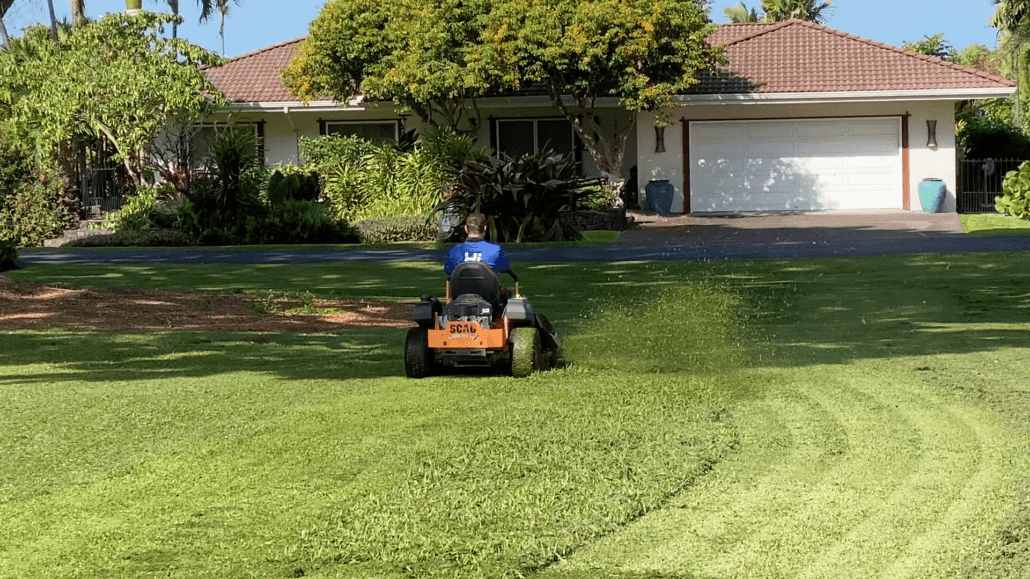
pixel 479 324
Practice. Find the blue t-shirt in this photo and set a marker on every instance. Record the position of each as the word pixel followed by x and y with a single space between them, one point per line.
pixel 484 251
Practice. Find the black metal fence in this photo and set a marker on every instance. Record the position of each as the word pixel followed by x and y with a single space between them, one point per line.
pixel 101 180
pixel 979 182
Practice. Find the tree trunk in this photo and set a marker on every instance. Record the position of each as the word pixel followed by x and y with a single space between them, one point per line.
pixel 174 5
pixel 5 40
pixel 53 22
pixel 78 11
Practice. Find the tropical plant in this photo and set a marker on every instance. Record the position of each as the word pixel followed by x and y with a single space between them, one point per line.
pixel 741 14
pixel 934 45
pixel 1015 200
pixel 522 198
pixel 778 10
pixel 1012 19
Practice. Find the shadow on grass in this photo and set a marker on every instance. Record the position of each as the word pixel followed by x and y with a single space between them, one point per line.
pixel 98 358
pixel 795 312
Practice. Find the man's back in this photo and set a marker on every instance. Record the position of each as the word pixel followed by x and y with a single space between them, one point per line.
pixel 478 250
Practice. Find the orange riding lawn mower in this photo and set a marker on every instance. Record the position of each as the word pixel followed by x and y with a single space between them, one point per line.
pixel 479 325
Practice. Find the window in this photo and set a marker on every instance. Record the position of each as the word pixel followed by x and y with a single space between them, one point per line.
pixel 375 131
pixel 204 136
pixel 517 137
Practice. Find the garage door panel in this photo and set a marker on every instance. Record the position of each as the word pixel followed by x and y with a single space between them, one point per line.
pixel 796 165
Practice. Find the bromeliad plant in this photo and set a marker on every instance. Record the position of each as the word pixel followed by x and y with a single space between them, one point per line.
pixel 1015 200
pixel 522 198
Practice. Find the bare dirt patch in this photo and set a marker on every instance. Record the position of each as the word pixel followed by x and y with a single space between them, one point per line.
pixel 116 310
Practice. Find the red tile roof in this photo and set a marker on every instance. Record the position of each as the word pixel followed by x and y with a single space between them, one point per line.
pixel 254 77
pixel 797 56
pixel 794 56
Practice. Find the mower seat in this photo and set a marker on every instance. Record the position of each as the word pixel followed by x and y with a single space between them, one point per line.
pixel 475 277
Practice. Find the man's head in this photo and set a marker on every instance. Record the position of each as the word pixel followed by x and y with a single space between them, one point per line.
pixel 475 225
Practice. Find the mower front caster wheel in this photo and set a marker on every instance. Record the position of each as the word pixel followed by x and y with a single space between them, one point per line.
pixel 525 351
pixel 418 358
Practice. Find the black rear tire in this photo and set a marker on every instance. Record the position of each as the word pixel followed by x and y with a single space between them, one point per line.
pixel 418 358
pixel 525 351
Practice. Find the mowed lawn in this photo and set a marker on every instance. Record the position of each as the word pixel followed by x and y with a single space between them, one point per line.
pixel 825 418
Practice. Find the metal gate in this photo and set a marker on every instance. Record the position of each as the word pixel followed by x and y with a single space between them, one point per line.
pixel 979 182
pixel 101 180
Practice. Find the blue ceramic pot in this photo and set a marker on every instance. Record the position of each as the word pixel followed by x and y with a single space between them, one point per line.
pixel 931 194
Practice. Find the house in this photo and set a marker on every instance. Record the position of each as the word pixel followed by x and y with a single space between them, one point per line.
pixel 802 118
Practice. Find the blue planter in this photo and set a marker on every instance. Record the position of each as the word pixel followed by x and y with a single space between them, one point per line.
pixel 931 194
pixel 659 196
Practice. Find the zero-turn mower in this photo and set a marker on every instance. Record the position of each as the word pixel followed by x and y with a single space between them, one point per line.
pixel 479 325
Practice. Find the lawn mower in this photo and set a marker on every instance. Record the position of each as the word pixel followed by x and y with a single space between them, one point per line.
pixel 479 325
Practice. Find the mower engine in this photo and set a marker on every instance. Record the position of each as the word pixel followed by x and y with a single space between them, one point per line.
pixel 468 308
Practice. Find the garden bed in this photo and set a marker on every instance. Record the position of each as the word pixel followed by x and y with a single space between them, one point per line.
pixel 124 310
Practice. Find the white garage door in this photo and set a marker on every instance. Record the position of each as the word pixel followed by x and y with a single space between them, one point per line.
pixel 795 165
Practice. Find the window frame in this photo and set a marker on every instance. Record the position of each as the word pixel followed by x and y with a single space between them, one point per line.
pixel 259 132
pixel 325 125
pixel 577 145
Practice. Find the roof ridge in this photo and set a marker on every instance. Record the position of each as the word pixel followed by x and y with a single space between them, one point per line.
pixel 876 44
pixel 767 27
pixel 267 48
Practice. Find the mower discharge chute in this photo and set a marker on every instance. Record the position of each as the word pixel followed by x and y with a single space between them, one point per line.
pixel 480 326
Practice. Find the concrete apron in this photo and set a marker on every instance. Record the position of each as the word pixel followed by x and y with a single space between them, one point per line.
pixel 789 227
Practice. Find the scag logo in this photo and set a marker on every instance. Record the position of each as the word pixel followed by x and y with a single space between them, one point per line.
pixel 462 328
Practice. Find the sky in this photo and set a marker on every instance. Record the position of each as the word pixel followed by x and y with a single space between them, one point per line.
pixel 255 24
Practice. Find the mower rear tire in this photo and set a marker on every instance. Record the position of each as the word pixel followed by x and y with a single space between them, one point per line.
pixel 418 358
pixel 525 351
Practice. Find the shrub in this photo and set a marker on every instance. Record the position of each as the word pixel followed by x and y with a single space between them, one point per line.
pixel 292 221
pixel 8 255
pixel 33 207
pixel 1016 188
pixel 397 229
pixel 983 137
pixel 521 198
pixel 364 181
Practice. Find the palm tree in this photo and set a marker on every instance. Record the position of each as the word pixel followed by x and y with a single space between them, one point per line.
pixel 1012 19
pixel 811 10
pixel 53 21
pixel 778 10
pixel 206 9
pixel 740 14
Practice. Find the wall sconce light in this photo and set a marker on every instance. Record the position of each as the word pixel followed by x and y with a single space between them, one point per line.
pixel 659 135
pixel 931 134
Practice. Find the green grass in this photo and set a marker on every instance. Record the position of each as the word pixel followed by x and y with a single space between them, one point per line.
pixel 823 418
pixel 994 225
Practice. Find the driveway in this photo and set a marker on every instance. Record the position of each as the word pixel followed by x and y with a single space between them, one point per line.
pixel 790 227
pixel 687 238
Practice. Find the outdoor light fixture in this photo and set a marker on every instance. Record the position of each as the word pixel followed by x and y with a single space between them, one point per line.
pixel 931 134
pixel 659 135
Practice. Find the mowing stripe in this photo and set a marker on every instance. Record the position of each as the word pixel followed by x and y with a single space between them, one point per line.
pixel 861 473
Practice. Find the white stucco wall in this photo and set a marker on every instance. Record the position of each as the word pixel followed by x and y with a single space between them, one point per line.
pixel 924 162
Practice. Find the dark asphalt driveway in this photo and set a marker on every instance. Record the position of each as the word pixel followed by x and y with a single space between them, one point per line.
pixel 689 238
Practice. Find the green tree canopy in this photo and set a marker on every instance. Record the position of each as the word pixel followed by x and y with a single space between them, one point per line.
pixel 411 52
pixel 641 52
pixel 932 46
pixel 115 78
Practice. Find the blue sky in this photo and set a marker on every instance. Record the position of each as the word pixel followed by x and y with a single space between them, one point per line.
pixel 255 24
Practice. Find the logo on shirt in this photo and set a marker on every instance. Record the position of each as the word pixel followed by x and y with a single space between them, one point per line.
pixel 473 256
